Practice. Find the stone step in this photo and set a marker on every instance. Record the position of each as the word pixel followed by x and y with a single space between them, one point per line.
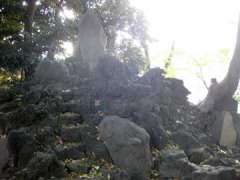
pixel 70 118
pixel 79 166
pixel 70 151
pixel 74 93
pixel 86 135
pixel 73 133
pixel 80 106
pixel 9 106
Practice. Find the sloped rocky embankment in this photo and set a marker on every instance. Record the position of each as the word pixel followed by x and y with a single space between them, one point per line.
pixel 70 124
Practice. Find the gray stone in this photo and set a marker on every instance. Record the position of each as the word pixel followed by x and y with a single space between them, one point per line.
pixel 92 40
pixel 70 118
pixel 153 125
pixel 185 140
pixel 198 155
pixel 135 91
pixel 214 173
pixel 70 151
pixel 117 107
pixel 21 146
pixel 82 106
pixel 44 165
pixel 93 144
pixel 215 127
pixel 228 134
pixel 175 164
pixel 79 166
pixel 71 134
pixel 215 161
pixel 111 77
pixel 224 130
pixel 128 145
pixel 154 77
pixel 120 175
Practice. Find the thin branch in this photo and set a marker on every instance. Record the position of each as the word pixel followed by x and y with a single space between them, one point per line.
pixel 201 76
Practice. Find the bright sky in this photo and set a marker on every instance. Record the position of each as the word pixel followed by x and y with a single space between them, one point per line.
pixel 199 28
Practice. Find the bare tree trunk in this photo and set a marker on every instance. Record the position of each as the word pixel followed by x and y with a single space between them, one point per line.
pixel 227 87
pixel 146 52
pixel 28 22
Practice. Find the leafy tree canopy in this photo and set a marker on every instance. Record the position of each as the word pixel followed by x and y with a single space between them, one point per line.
pixel 31 30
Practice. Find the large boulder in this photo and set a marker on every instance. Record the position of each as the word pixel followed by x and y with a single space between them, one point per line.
pixel 175 87
pixel 145 115
pixel 128 145
pixel 153 125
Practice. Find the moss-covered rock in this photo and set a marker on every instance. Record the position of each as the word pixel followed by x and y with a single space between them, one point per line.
pixel 43 165
pixel 21 146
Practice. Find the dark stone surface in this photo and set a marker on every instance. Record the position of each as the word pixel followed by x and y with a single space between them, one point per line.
pixel 128 145
pixel 214 173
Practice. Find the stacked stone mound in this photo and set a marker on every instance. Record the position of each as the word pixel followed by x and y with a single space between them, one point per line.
pixel 147 128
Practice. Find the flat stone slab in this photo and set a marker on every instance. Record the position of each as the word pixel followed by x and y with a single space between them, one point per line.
pixel 228 134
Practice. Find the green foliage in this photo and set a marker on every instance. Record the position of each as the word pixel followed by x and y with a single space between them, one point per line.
pixel 23 44
pixel 237 95
pixel 7 77
pixel 168 68
pixel 11 12
pixel 133 56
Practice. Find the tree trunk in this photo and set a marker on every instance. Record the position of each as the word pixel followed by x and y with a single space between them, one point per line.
pixel 53 44
pixel 30 12
pixel 28 22
pixel 146 52
pixel 219 92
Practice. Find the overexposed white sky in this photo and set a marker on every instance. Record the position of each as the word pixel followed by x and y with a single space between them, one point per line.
pixel 199 28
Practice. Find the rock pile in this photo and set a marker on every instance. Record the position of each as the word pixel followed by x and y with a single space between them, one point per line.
pixel 147 129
